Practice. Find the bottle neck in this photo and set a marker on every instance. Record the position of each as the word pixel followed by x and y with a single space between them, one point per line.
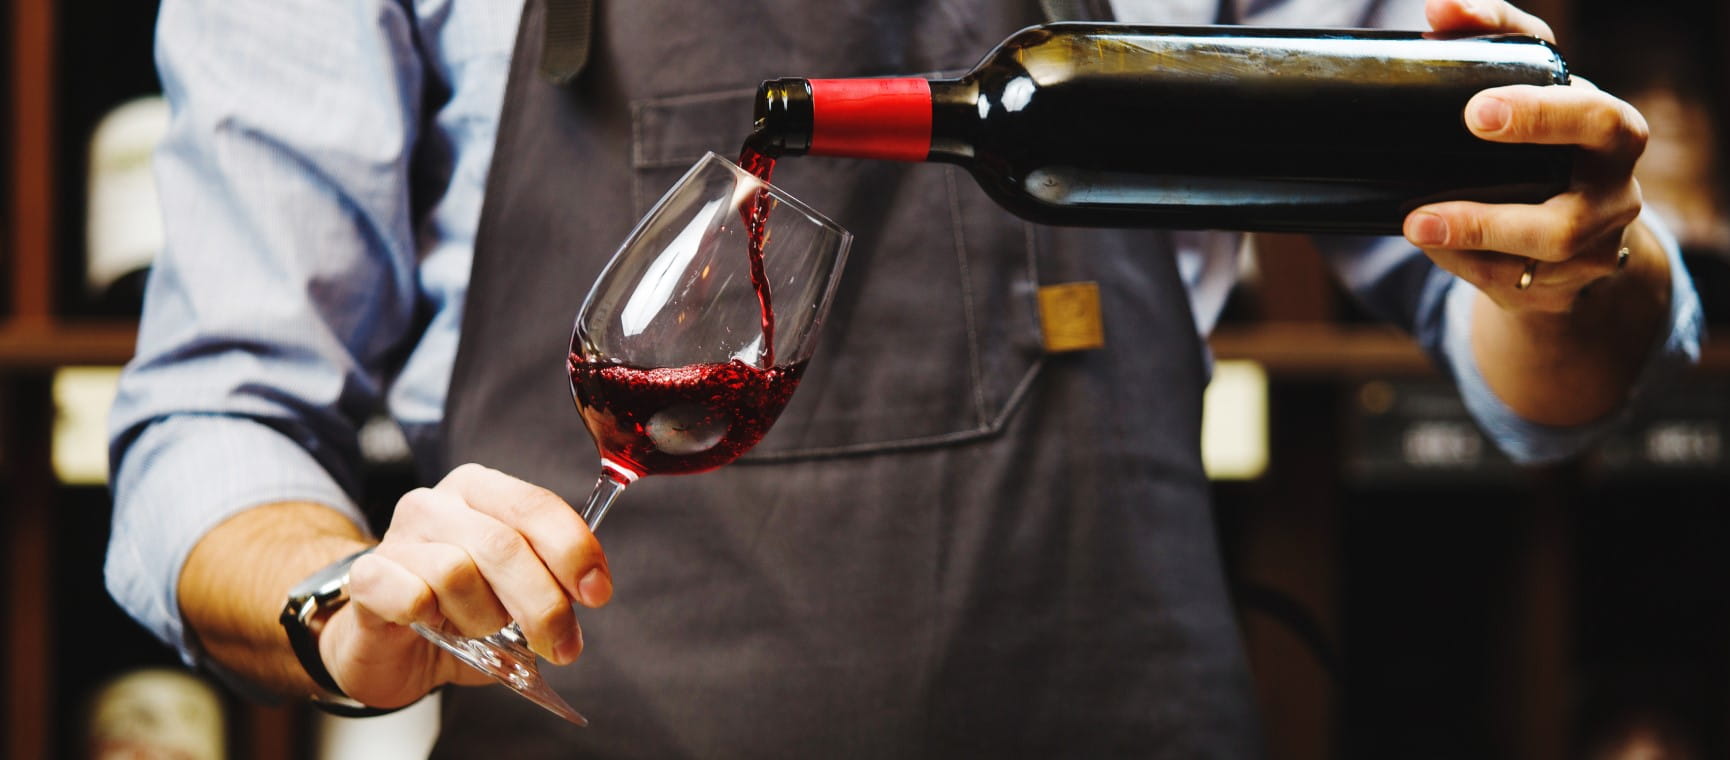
pixel 901 119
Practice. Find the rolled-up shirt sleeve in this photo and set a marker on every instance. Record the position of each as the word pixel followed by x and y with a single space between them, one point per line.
pixel 286 291
pixel 181 478
pixel 1397 282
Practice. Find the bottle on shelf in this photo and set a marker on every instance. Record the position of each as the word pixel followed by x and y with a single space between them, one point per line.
pixel 1195 127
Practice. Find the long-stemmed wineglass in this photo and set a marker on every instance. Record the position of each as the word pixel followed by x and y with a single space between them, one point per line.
pixel 687 348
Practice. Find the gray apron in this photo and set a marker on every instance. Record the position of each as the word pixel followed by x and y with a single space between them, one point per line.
pixel 952 544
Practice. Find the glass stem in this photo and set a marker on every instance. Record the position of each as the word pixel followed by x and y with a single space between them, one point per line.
pixel 607 489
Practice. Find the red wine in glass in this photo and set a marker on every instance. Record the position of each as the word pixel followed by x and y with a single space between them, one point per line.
pixel 696 417
pixel 677 420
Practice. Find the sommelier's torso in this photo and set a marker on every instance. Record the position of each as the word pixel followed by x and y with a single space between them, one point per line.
pixel 952 543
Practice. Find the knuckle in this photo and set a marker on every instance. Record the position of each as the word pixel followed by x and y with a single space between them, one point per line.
pixel 1638 132
pixel 468 472
pixel 1535 112
pixel 367 571
pixel 1528 114
pixel 415 503
pixel 452 571
pixel 374 587
pixel 479 621
pixel 422 605
pixel 529 501
pixel 1629 212
pixel 550 615
pixel 365 579
pixel 501 544
pixel 541 498
pixel 1606 125
pixel 1468 231
pixel 1480 269
pixel 1546 122
pixel 1571 235
pixel 491 620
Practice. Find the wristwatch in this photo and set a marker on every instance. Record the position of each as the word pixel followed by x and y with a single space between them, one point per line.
pixel 309 605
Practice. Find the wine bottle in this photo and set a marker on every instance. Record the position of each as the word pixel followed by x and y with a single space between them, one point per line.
pixel 1196 127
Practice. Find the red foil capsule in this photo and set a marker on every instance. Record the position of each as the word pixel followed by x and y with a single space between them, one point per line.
pixel 871 118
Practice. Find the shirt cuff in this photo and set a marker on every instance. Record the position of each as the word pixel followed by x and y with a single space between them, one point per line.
pixel 183 476
pixel 1530 443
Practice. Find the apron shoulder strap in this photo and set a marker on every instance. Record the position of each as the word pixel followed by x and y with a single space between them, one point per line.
pixel 565 40
pixel 570 27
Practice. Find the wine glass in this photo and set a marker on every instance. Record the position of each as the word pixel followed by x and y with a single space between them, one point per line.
pixel 687 348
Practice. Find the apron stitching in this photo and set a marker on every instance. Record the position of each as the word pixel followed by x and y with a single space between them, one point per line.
pixel 974 368
pixel 636 155
pixel 1030 234
pixel 990 428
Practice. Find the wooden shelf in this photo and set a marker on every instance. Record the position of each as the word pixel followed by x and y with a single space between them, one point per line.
pixel 1299 350
pixel 35 344
pixel 1324 350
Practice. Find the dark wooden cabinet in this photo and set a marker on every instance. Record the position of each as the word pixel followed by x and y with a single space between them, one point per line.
pixel 60 629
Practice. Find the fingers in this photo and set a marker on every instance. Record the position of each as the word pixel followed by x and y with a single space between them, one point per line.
pixel 1484 17
pixel 1494 247
pixel 1559 229
pixel 1553 290
pixel 482 549
pixel 382 663
pixel 483 573
pixel 385 597
pixel 1584 116
pixel 434 584
pixel 553 529
pixel 387 589
pixel 1568 242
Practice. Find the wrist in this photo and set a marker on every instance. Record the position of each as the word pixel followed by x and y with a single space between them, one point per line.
pixel 310 611
pixel 1595 349
pixel 234 582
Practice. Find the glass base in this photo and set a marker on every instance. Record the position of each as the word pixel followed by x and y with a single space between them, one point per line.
pixel 506 657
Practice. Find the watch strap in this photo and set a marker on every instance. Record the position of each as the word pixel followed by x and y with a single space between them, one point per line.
pixel 309 604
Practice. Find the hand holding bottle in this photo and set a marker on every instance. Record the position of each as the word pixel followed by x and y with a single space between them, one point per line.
pixel 1112 125
pixel 1576 237
pixel 1574 290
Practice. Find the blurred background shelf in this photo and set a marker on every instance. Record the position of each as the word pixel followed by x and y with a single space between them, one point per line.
pixel 48 345
pixel 1322 350
pixel 1297 350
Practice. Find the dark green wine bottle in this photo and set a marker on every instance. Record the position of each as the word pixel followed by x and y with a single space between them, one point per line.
pixel 1196 127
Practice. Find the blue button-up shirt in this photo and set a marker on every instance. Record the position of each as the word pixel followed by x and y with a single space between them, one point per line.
pixel 320 212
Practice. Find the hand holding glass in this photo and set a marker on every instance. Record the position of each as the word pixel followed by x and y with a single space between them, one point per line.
pixel 683 355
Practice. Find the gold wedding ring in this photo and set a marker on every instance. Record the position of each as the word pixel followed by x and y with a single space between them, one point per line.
pixel 1527 274
pixel 1531 270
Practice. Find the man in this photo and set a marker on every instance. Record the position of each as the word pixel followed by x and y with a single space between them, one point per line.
pixel 952 544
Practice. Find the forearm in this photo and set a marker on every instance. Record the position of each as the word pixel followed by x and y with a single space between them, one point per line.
pixel 1577 366
pixel 235 581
